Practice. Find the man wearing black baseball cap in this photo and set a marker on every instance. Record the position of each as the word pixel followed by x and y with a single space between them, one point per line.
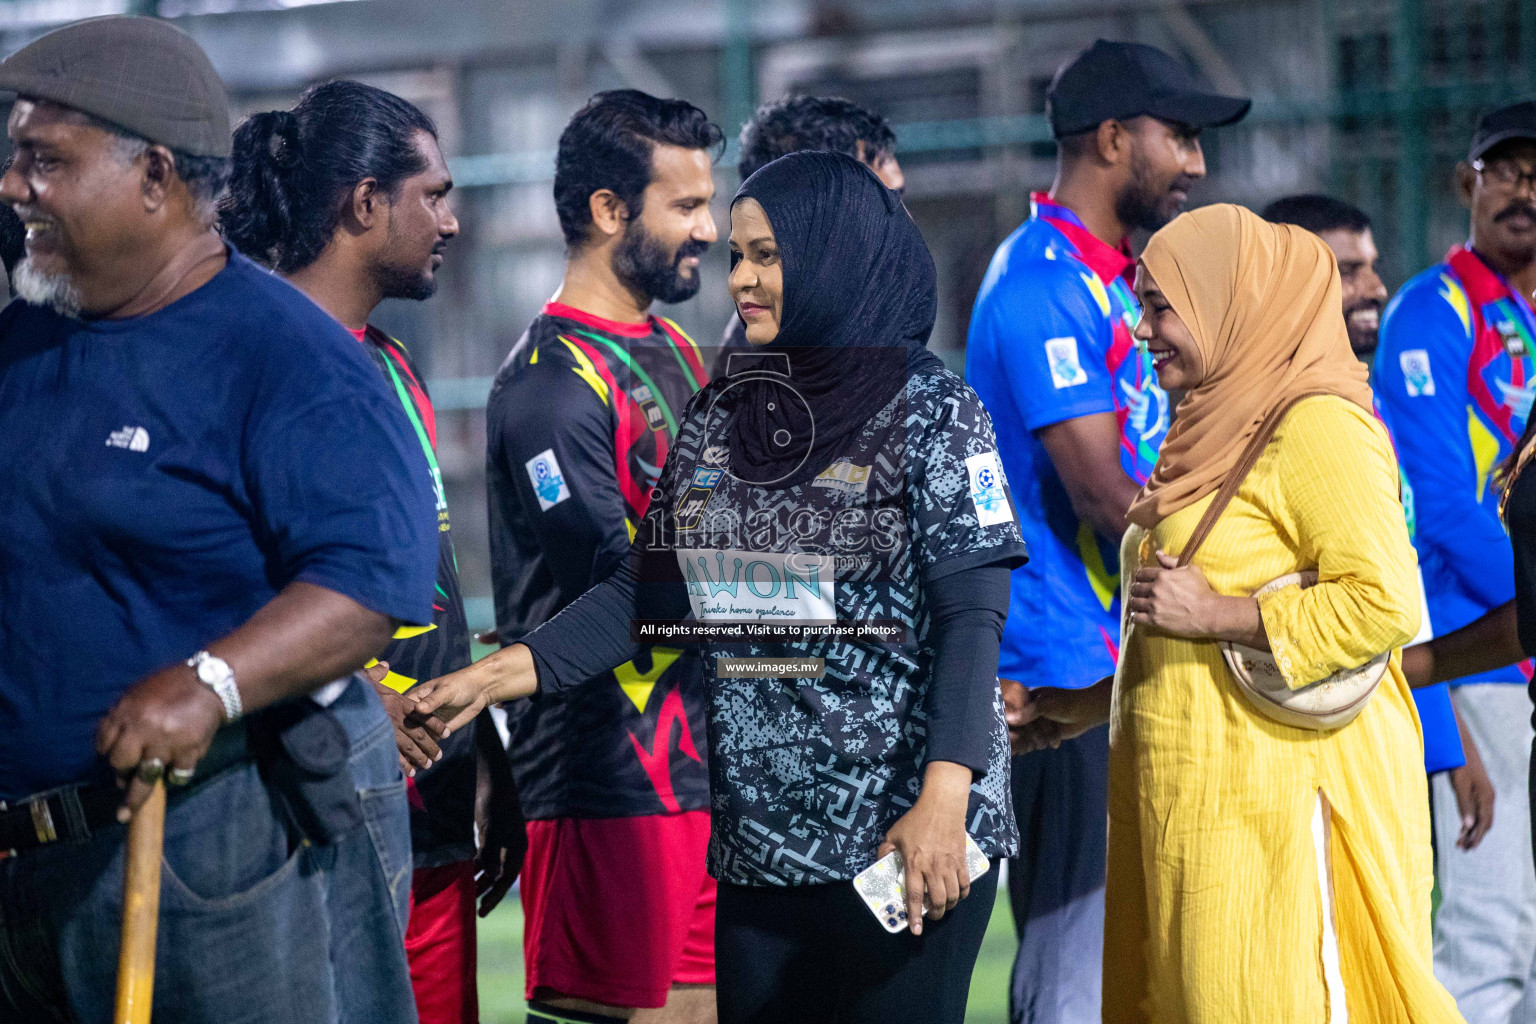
pixel 1079 415
pixel 1455 376
pixel 213 508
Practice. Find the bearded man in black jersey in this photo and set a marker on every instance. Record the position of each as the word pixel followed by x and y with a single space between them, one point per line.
pixel 619 908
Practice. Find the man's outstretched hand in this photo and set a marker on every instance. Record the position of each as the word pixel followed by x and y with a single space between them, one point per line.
pixel 416 739
pixel 1045 717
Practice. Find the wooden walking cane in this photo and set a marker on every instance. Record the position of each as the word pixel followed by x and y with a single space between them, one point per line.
pixel 141 910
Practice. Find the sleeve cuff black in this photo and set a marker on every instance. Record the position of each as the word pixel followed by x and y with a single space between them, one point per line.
pixel 977 760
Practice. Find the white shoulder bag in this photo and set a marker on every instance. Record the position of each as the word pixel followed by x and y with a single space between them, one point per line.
pixel 1326 704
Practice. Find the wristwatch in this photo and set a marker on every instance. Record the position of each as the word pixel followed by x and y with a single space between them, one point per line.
pixel 216 673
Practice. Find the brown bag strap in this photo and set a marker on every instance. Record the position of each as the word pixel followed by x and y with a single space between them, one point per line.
pixel 1238 472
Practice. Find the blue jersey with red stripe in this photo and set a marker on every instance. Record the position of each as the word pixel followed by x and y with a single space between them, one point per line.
pixel 1454 377
pixel 1442 740
pixel 1050 340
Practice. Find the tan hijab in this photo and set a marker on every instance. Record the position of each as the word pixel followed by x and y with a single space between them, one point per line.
pixel 1265 307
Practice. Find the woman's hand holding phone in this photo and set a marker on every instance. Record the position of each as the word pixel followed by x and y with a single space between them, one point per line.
pixel 931 840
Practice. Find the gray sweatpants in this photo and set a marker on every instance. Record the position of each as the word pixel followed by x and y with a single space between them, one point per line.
pixel 1485 930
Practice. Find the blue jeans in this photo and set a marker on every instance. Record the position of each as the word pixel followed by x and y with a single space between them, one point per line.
pixel 1056 883
pixel 257 926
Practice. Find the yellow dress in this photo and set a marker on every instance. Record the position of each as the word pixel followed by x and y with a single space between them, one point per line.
pixel 1214 906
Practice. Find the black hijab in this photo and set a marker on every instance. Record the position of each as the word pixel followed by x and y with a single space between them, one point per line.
pixel 858 306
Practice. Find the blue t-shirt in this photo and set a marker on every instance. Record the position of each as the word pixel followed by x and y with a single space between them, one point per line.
pixel 1453 376
pixel 165 476
pixel 1050 340
pixel 1442 740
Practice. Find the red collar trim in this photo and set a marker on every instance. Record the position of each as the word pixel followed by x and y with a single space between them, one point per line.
pixel 618 327
pixel 1107 261
pixel 1482 283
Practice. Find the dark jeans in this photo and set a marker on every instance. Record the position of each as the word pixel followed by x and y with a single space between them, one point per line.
pixel 256 927
pixel 814 953
pixel 1056 883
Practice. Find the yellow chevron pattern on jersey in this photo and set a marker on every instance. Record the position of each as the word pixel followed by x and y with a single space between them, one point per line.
pixel 1453 294
pixel 586 371
pixel 392 679
pixel 1103 582
pixel 637 685
pixel 406 632
pixel 1485 450
pixel 1097 288
pixel 683 334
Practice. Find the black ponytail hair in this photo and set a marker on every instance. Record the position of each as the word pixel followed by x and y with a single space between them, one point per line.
pixel 294 170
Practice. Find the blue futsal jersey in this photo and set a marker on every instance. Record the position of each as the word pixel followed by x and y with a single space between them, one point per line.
pixel 1454 379
pixel 1050 340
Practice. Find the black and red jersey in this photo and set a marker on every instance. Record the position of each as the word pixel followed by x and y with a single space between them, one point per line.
pixel 579 422
pixel 443 801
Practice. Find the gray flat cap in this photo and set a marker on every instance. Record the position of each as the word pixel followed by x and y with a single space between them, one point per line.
pixel 140 73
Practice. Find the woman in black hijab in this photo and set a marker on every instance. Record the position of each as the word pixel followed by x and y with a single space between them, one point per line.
pixel 837 473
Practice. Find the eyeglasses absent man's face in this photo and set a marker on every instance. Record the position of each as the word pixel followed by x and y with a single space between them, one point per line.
pixel 1364 294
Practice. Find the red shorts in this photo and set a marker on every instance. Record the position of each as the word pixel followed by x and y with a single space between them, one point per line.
pixel 618 910
pixel 440 944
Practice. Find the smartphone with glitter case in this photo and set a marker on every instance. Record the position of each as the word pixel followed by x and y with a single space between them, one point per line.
pixel 882 885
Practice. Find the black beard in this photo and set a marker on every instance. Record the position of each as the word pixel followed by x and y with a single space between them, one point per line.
pixel 645 266
pixel 411 283
pixel 1141 204
pixel 1364 345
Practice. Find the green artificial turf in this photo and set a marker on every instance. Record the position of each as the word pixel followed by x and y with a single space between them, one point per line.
pixel 501 966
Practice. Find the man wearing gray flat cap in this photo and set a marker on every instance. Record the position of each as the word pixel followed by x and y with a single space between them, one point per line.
pixel 214 515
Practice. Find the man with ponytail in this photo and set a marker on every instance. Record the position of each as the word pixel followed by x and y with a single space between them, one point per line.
pixel 346 196
pixel 215 514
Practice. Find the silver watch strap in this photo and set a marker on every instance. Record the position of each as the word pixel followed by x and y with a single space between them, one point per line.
pixel 223 687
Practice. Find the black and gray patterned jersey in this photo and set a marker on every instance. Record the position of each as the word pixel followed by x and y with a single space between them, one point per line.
pixel 808 774
pixel 579 422
pixel 442 797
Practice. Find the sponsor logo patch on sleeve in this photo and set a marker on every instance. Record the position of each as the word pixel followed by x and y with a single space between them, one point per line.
pixel 987 491
pixel 548 481
pixel 1066 368
pixel 1417 378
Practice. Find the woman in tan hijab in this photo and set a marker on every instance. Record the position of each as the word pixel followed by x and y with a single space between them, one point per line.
pixel 1261 871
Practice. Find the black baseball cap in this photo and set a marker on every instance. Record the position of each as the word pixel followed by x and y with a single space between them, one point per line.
pixel 1124 80
pixel 142 74
pixel 1516 121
